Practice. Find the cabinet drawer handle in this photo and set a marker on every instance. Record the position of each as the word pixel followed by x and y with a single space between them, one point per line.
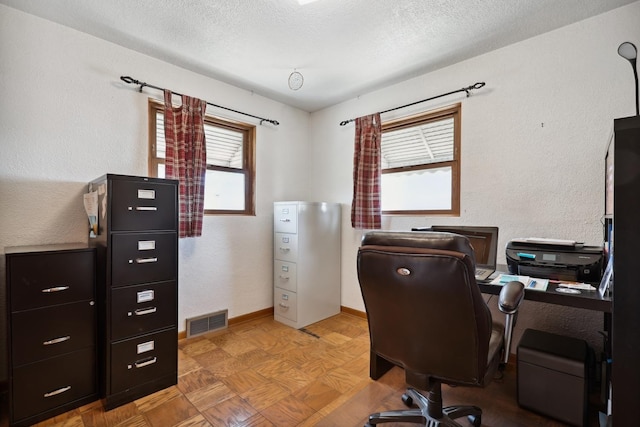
pixel 143 311
pixel 58 391
pixel 57 340
pixel 55 289
pixel 285 220
pixel 284 277
pixel 285 249
pixel 146 362
pixel 146 260
pixel 285 306
pixel 146 208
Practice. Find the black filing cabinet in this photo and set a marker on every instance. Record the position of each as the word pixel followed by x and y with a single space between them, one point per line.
pixel 52 330
pixel 553 376
pixel 137 248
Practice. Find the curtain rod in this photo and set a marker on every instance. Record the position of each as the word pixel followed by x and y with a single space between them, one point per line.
pixel 464 89
pixel 131 80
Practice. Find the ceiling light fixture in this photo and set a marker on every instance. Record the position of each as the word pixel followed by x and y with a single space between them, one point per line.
pixel 629 52
pixel 295 80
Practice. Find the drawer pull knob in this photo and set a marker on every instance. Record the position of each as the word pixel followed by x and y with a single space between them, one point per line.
pixel 146 260
pixel 58 391
pixel 55 289
pixel 146 208
pixel 143 311
pixel 285 220
pixel 57 340
pixel 284 277
pixel 147 362
pixel 285 306
pixel 285 249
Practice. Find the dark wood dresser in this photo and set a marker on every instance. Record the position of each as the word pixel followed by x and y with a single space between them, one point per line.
pixel 52 330
pixel 137 282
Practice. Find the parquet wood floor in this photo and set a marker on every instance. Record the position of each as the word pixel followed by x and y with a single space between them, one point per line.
pixel 262 374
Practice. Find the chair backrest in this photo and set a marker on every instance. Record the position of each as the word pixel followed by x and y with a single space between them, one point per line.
pixel 424 308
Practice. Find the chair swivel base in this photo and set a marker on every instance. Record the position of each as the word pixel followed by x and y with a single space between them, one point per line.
pixel 421 414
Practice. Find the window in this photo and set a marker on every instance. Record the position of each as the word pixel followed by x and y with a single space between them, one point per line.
pixel 230 177
pixel 421 164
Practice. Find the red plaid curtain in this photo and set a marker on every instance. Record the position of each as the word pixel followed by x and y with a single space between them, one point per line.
pixel 365 207
pixel 186 159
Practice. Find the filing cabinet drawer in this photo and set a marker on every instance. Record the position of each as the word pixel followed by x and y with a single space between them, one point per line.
pixel 140 258
pixel 43 279
pixel 285 218
pixel 285 247
pixel 143 308
pixel 138 205
pixel 52 331
pixel 54 382
pixel 142 359
pixel 285 275
pixel 285 304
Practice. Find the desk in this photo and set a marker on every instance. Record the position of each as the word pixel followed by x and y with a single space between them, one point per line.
pixel 590 300
pixel 585 299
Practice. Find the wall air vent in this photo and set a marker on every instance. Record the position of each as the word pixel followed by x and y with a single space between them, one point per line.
pixel 207 323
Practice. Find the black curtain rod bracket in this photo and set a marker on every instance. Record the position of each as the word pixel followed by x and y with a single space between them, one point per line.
pixel 133 81
pixel 467 89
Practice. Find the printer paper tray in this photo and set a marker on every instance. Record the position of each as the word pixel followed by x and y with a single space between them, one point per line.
pixel 559 273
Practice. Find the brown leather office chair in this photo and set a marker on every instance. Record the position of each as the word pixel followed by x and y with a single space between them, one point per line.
pixel 426 314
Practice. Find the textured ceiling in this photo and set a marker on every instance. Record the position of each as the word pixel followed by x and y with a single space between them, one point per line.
pixel 342 47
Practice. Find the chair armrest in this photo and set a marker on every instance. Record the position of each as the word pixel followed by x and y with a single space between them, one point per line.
pixel 511 296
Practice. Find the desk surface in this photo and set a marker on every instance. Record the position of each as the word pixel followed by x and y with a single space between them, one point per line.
pixel 590 300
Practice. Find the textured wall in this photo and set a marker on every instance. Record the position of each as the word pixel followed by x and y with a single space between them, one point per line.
pixel 533 145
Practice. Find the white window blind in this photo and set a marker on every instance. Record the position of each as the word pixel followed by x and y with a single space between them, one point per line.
pixel 418 145
pixel 224 146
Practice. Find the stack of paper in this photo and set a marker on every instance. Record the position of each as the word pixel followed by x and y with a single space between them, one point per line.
pixel 529 282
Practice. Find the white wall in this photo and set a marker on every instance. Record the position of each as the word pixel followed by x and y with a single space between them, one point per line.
pixel 533 144
pixel 66 119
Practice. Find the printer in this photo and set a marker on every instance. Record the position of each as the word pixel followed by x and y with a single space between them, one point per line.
pixel 555 259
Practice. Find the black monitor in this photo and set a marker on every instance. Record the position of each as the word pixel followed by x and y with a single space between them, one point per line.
pixel 484 241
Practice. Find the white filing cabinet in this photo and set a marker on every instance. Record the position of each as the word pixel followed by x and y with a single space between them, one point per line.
pixel 306 266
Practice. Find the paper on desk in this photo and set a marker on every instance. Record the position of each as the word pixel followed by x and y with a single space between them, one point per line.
pixel 532 283
pixel 581 286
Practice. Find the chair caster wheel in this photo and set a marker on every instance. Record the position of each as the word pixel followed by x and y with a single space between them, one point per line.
pixel 407 400
pixel 475 420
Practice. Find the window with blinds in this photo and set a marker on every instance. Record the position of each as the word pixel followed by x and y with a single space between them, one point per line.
pixel 421 164
pixel 230 177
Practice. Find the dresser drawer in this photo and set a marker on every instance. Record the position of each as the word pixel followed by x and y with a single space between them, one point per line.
pixel 43 279
pixel 285 304
pixel 285 275
pixel 285 247
pixel 143 308
pixel 285 218
pixel 138 205
pixel 52 331
pixel 54 382
pixel 142 359
pixel 140 258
